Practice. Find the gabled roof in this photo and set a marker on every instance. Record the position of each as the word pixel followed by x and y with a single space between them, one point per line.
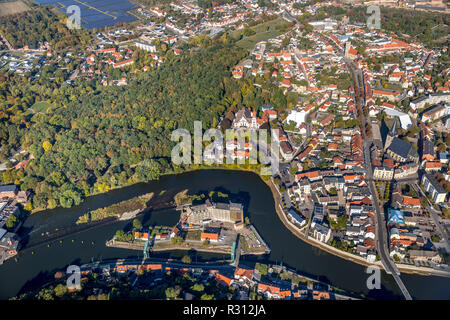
pixel 223 279
pixel 241 272
pixel 8 188
pixel 410 201
pixel 402 148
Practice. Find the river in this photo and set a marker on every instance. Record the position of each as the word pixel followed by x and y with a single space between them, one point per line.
pixel 34 265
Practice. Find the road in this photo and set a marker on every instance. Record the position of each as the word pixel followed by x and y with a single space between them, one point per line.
pixel 6 42
pixel 163 262
pixel 435 216
pixel 237 254
pixel 287 16
pixel 74 74
pixel 380 227
pixel 380 223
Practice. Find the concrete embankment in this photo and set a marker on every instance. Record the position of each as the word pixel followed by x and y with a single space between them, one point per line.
pixel 342 254
pixel 140 247
pixel 170 247
pixel 258 236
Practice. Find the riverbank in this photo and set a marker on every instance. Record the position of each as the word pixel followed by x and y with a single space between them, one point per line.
pixel 339 253
pixel 171 247
pixel 123 210
pixel 310 241
pixel 248 241
pixel 152 274
pixel 88 244
pixel 169 173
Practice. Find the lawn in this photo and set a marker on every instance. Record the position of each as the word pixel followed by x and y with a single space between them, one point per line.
pixel 390 85
pixel 264 31
pixel 193 235
pixel 39 107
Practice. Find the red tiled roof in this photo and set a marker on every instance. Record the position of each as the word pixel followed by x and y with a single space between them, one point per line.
pixel 309 175
pixel 241 272
pixel 209 236
pixel 411 201
pixel 332 146
pixel 433 164
pixel 223 279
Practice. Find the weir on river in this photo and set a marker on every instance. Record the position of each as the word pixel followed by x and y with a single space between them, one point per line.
pixel 31 270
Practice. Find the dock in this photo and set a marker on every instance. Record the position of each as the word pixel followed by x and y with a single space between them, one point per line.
pixel 252 228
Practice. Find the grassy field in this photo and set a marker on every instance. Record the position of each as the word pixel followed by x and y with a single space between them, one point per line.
pixel 7 8
pixel 39 107
pixel 264 31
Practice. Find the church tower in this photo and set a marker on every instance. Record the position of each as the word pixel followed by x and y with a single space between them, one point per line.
pixel 391 135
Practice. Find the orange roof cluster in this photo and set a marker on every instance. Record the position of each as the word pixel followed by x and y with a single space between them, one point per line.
pixel 150 267
pixel 433 165
pixel 141 235
pixel 332 146
pixel 209 236
pixel 309 175
pixel 224 280
pixel 305 152
pixel 321 295
pixel 410 201
pixel 326 121
pixel 274 290
pixel 241 272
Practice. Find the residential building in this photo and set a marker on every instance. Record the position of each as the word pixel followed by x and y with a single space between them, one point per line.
pixel 434 113
pixel 8 192
pixel 146 46
pixel 425 255
pixel 433 187
pixel 383 173
pixel 322 233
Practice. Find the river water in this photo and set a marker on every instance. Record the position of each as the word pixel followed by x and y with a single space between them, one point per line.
pixel 35 264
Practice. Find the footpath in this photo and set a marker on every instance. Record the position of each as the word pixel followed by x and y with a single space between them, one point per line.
pixel 342 254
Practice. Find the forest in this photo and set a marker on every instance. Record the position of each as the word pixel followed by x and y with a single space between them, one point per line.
pixel 429 28
pixel 40 25
pixel 103 138
pixel 88 138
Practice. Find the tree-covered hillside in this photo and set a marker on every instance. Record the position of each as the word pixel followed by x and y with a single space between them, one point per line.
pixel 118 135
pixel 40 25
pixel 429 28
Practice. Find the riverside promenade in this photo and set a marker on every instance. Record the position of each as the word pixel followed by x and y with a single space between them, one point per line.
pixel 342 254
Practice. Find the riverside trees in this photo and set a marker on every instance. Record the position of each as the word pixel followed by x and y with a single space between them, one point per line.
pixel 113 136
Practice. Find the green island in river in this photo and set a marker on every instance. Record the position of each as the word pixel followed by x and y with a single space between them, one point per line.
pixel 123 210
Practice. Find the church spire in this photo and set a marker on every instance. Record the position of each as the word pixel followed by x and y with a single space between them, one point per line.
pixel 393 131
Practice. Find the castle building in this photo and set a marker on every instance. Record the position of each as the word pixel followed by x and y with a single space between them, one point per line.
pixel 218 211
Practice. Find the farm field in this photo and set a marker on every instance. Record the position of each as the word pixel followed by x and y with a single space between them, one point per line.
pixel 7 8
pixel 264 31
